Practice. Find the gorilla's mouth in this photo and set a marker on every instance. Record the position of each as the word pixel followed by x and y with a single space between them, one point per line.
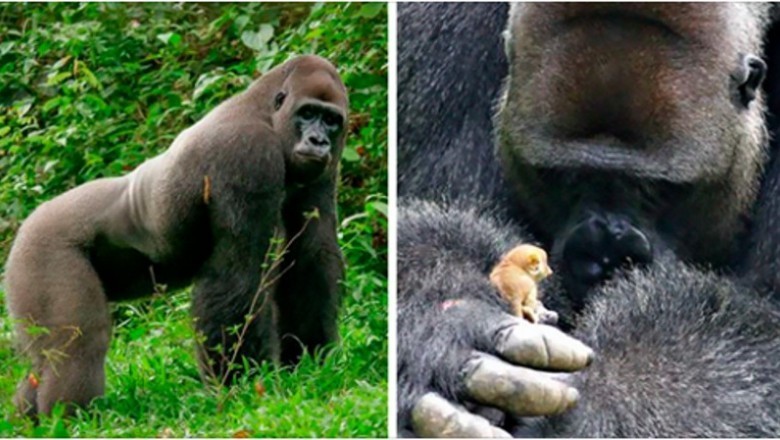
pixel 311 156
pixel 308 165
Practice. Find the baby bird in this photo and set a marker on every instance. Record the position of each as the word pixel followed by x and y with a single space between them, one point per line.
pixel 515 277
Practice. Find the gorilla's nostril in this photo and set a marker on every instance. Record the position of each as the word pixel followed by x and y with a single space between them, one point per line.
pixel 318 140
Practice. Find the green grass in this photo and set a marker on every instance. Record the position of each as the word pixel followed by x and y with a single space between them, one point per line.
pixel 92 90
pixel 153 385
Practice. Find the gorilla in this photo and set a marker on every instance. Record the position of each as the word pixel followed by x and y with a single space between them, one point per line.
pixel 634 141
pixel 210 211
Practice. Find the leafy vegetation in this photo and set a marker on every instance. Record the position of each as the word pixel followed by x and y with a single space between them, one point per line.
pixel 92 90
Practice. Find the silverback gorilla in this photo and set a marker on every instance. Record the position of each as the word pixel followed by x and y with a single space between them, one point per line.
pixel 632 141
pixel 204 211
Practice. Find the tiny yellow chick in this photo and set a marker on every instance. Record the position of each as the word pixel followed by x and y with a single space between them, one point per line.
pixel 516 275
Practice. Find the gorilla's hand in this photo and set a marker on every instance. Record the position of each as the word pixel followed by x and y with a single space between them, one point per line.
pixel 499 361
pixel 457 344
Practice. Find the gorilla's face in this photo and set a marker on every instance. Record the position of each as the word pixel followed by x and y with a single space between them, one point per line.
pixel 317 126
pixel 645 119
pixel 310 113
pixel 655 91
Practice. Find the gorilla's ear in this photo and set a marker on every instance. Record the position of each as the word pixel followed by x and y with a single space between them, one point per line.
pixel 749 76
pixel 279 100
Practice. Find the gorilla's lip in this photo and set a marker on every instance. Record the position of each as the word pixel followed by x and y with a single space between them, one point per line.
pixel 311 156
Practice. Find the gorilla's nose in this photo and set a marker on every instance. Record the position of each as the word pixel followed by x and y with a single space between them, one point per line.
pixel 318 140
pixel 632 246
pixel 593 249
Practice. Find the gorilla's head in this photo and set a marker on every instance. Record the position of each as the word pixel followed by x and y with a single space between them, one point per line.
pixel 310 115
pixel 646 118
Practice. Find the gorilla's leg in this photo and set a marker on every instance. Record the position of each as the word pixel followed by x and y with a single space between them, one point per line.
pixel 63 324
pixel 233 301
pixel 309 293
pixel 233 312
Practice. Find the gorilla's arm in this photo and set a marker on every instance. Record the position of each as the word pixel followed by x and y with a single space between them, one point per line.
pixel 232 302
pixel 679 352
pixel 313 268
pixel 454 328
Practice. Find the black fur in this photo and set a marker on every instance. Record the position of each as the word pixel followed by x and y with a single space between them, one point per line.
pixel 462 78
pixel 681 350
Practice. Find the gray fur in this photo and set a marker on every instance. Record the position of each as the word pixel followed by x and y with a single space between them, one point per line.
pixel 204 211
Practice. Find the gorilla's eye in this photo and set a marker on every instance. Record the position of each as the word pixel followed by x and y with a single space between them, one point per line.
pixel 307 113
pixel 332 120
pixel 279 100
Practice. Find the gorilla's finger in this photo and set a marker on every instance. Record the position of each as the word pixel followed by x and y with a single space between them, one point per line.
pixel 434 416
pixel 541 346
pixel 519 390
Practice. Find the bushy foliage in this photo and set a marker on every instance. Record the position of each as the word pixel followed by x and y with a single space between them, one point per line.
pixel 92 90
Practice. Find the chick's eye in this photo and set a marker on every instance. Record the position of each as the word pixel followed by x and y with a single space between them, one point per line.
pixel 279 100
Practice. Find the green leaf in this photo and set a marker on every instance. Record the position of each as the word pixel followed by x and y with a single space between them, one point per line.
pixel 61 62
pixel 170 38
pixel 24 106
pixel 55 79
pixel 241 21
pixel 381 207
pixel 258 40
pixel 89 76
pixel 49 165
pixel 204 83
pixel 364 80
pixel 136 333
pixel 6 428
pixel 371 10
pixel 59 430
pixel 350 155
pixel 50 104
pixel 6 47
